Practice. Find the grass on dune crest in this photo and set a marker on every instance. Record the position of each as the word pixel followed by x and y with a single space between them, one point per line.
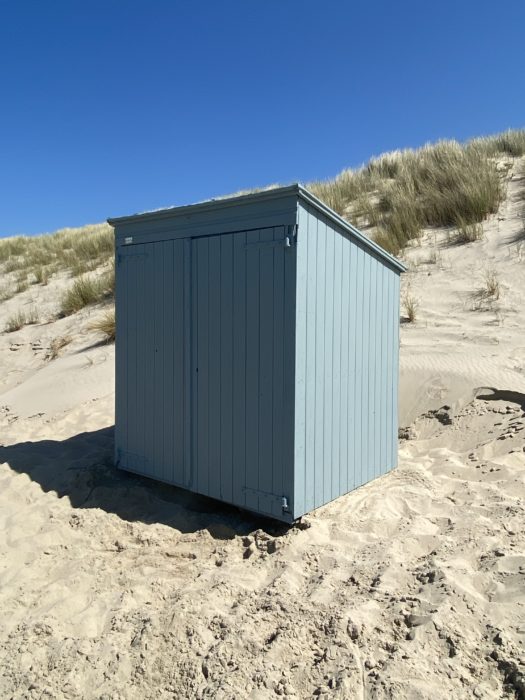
pixel 442 184
pixel 510 142
pixel 397 195
pixel 76 250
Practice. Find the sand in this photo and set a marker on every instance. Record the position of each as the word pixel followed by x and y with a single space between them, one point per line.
pixel 413 586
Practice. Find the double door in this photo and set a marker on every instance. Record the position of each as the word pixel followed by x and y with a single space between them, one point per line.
pixel 204 351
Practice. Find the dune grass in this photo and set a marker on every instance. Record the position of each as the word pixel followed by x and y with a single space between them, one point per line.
pixel 6 292
pixel 468 233
pixel 21 283
pixel 510 142
pixel 20 319
pixel 76 250
pixel 492 286
pixel 80 252
pixel 87 289
pixel 15 322
pixel 105 325
pixel 56 346
pixel 41 275
pixel 442 184
pixel 484 298
pixel 397 195
pixel 410 305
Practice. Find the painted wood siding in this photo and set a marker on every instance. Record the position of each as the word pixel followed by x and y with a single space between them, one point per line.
pixel 250 370
pixel 205 353
pixel 151 361
pixel 346 374
pixel 242 344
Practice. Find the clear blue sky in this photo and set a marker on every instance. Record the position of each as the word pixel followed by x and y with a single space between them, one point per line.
pixel 115 106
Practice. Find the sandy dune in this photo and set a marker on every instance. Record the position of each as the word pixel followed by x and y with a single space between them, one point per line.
pixel 112 586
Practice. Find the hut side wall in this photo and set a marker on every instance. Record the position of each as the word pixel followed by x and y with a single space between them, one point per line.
pixel 346 374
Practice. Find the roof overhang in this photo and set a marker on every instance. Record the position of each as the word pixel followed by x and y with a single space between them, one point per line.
pixel 269 195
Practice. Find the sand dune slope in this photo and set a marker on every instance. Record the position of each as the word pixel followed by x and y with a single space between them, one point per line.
pixel 413 586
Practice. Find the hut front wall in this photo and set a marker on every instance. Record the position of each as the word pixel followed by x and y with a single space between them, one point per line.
pixel 346 373
pixel 204 355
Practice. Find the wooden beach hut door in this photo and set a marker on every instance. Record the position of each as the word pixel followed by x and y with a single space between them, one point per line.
pixel 201 352
pixel 238 347
pixel 152 360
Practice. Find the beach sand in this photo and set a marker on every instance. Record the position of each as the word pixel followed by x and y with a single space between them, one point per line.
pixel 413 586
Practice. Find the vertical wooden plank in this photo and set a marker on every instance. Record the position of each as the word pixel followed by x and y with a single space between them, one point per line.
pixel 145 271
pixel 239 368
pixel 336 365
pixel 188 378
pixel 365 365
pixel 395 367
pixel 327 463
pixel 194 430
pixel 252 369
pixel 277 417
pixel 144 354
pixel 155 388
pixel 226 368
pixel 133 389
pixel 320 315
pixel 371 329
pixel 130 353
pixel 194 286
pixel 175 358
pixel 290 311
pixel 121 345
pixel 172 361
pixel 266 328
pixel 383 315
pixel 307 258
pixel 214 366
pixel 344 362
pixel 377 369
pixel 201 289
pixel 378 379
pixel 389 388
pixel 390 368
pixel 182 458
pixel 131 356
pixel 395 380
pixel 352 354
pixel 359 350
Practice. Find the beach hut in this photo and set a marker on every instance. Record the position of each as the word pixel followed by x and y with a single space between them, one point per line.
pixel 257 341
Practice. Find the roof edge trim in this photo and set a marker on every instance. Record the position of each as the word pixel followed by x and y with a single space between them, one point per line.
pixel 219 203
pixel 273 193
pixel 356 233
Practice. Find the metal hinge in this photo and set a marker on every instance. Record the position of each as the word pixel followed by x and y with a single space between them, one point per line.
pixel 291 236
pixel 288 241
pixel 269 244
pixel 281 501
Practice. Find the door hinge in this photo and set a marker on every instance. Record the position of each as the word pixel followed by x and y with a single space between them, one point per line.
pixel 291 236
pixel 287 242
pixel 279 501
